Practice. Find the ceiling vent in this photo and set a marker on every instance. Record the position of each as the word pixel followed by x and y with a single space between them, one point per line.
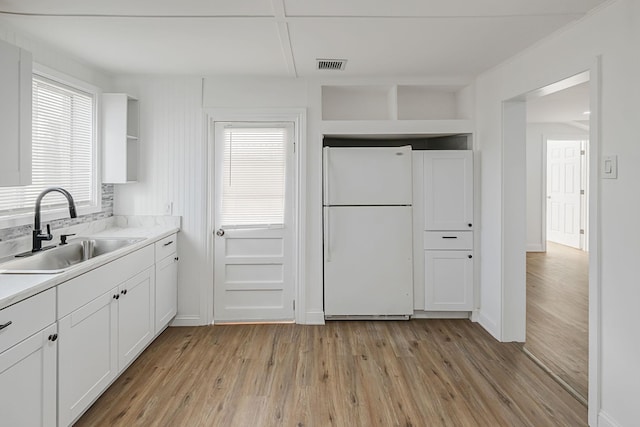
pixel 331 64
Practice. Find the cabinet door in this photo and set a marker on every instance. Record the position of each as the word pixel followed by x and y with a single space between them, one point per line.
pixel 166 291
pixel 28 381
pixel 448 280
pixel 135 316
pixel 15 115
pixel 448 190
pixel 87 355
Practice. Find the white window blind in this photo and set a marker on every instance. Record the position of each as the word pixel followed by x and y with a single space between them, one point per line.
pixel 253 191
pixel 63 149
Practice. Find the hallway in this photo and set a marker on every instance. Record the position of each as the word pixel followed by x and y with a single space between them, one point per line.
pixel 558 312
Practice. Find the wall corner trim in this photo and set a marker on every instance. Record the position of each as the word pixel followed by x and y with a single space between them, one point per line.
pixel 314 318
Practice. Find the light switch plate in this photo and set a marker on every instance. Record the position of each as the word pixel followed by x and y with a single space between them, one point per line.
pixel 609 167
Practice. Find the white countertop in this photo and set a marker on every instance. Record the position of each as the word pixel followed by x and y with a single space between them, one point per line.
pixel 16 287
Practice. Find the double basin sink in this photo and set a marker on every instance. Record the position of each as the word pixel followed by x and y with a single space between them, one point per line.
pixel 61 258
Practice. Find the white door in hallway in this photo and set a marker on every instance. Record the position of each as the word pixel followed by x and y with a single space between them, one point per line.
pixel 253 262
pixel 564 192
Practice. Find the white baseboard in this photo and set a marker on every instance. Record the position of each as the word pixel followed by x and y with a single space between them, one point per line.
pixel 475 316
pixel 605 420
pixel 314 318
pixel 489 325
pixel 420 314
pixel 535 247
pixel 186 321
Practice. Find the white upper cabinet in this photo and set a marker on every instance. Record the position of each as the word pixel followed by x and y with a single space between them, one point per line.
pixel 15 115
pixel 448 190
pixel 120 144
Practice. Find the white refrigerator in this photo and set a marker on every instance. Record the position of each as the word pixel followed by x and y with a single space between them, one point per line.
pixel 367 225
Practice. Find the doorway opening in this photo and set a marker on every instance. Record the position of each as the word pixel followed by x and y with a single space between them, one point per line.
pixel 557 261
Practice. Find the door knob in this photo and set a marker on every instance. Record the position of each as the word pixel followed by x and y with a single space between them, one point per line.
pixel 220 232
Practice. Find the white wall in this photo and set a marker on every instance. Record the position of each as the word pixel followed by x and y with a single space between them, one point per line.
pixel 174 166
pixel 172 170
pixel 537 134
pixel 614 33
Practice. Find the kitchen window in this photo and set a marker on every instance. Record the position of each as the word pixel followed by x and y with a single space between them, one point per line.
pixel 64 150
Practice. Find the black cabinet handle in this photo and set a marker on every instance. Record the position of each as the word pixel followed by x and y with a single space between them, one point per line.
pixel 176 258
pixel 449 237
pixel 53 337
pixel 168 243
pixel 5 325
pixel 123 292
pixel 470 225
pixel 470 256
pixel 116 296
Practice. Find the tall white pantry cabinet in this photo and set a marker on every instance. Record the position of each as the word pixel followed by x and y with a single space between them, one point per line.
pixel 444 179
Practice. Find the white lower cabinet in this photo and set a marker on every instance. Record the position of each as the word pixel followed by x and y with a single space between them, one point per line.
pixel 166 291
pixel 100 339
pixel 28 381
pixel 50 373
pixel 448 280
pixel 87 355
pixel 136 326
pixel 101 335
pixel 28 351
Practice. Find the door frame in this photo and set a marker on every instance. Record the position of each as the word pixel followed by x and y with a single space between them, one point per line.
pixel 298 117
pixel 584 181
pixel 513 275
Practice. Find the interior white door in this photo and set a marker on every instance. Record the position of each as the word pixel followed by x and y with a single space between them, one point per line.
pixel 253 222
pixel 564 192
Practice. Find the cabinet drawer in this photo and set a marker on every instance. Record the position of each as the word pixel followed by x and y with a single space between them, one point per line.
pixel 27 317
pixel 166 247
pixel 448 240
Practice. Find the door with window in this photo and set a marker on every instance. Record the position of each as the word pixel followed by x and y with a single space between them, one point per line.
pixel 253 233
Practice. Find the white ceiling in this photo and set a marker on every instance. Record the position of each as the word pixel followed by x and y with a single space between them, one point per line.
pixel 413 38
pixel 565 106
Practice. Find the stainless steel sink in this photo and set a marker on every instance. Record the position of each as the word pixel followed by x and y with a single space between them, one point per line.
pixel 63 257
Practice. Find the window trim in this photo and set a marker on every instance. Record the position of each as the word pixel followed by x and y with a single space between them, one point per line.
pixel 25 218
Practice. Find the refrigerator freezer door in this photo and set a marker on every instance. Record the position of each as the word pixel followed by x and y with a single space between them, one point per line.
pixel 367 176
pixel 368 268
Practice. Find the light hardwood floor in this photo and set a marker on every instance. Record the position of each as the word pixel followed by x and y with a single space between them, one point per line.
pixel 411 373
pixel 558 312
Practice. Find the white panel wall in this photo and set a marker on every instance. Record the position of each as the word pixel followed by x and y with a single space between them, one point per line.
pixel 614 33
pixel 173 170
pixel 537 134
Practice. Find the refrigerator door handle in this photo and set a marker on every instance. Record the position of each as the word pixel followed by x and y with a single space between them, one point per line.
pixel 327 237
pixel 325 173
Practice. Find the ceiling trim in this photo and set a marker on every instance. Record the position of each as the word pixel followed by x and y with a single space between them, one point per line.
pixel 280 13
pixel 285 37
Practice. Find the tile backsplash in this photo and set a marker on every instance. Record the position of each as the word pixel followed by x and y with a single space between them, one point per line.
pixel 107 211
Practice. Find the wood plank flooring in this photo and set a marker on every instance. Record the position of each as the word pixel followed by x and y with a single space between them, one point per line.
pixel 558 312
pixel 386 373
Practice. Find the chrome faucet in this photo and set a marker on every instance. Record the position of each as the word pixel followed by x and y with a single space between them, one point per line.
pixel 38 237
